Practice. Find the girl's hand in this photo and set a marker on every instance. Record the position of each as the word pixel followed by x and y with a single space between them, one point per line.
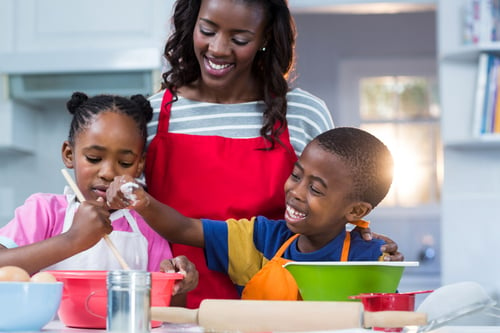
pixel 181 264
pixel 90 223
pixel 125 192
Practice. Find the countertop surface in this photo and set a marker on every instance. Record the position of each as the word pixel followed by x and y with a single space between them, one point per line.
pixel 58 327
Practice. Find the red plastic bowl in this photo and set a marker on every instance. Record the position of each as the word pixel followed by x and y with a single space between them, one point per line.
pixel 85 297
pixel 388 302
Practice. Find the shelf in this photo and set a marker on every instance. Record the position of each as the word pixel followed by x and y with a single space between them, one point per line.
pixel 471 52
pixel 95 60
pixel 484 142
pixel 361 6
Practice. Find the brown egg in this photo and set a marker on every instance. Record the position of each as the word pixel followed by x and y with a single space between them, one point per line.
pixel 43 277
pixel 13 273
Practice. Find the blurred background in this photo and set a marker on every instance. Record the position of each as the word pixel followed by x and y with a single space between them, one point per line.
pixel 373 63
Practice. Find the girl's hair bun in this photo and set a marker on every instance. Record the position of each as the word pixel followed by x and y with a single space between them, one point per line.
pixel 144 105
pixel 77 99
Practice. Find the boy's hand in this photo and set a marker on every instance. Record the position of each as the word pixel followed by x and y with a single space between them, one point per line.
pixel 181 264
pixel 389 249
pixel 125 192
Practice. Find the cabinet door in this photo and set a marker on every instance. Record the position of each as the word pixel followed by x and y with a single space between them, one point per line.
pixel 79 25
pixel 6 25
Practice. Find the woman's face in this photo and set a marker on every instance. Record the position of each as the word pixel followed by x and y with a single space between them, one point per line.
pixel 226 37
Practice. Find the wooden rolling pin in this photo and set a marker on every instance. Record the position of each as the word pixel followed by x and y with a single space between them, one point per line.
pixel 274 316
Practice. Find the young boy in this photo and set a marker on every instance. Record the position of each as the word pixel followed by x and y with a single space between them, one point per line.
pixel 341 176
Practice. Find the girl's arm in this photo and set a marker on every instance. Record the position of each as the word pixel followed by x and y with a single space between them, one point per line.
pixel 124 192
pixel 90 224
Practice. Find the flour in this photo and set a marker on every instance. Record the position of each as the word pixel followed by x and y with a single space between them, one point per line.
pixel 128 191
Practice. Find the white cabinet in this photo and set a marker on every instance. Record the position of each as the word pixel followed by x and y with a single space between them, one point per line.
pixel 471 189
pixel 17 128
pixel 59 35
pixel 50 48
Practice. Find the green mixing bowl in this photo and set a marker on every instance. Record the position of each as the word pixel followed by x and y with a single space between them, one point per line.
pixel 336 281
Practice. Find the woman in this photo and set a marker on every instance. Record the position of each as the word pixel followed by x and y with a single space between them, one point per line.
pixel 228 128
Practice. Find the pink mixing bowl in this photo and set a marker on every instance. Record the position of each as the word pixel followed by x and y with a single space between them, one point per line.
pixel 85 297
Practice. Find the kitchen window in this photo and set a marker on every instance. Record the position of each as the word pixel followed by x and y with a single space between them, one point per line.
pixel 397 102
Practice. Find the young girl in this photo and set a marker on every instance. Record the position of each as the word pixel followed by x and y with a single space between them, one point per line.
pixel 55 231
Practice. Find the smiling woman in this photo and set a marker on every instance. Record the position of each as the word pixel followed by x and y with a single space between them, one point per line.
pixel 227 128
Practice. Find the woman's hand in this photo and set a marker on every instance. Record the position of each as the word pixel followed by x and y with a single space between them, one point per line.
pixel 389 249
pixel 181 264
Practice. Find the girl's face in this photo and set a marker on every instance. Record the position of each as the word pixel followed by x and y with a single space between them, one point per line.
pixel 226 38
pixel 317 202
pixel 110 146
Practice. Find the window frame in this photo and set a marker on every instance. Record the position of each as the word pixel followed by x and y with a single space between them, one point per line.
pixel 350 72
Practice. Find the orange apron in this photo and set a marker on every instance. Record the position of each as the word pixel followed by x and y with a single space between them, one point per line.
pixel 274 282
pixel 217 178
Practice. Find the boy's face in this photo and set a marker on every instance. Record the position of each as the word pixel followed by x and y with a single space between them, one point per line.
pixel 317 203
pixel 111 146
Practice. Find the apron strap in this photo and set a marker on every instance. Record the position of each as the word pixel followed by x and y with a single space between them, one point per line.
pixel 344 256
pixel 285 245
pixel 126 214
pixel 345 249
pixel 361 223
pixel 165 109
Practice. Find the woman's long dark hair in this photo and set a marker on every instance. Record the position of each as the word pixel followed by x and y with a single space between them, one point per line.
pixel 271 67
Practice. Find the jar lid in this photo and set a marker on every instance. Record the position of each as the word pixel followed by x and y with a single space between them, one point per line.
pixel 129 278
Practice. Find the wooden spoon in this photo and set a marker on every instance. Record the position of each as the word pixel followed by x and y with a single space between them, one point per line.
pixel 108 240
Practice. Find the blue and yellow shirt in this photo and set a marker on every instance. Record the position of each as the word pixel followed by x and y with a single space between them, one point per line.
pixel 240 248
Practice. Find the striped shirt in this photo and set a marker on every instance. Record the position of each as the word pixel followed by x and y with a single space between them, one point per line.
pixel 307 116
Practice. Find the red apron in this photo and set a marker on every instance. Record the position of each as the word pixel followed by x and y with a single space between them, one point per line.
pixel 217 178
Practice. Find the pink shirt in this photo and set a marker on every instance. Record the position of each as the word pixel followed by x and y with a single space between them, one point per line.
pixel 42 217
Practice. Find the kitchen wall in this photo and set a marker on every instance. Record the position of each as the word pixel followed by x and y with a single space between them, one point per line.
pixel 324 41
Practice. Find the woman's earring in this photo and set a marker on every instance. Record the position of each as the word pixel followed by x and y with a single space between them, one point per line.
pixel 263 49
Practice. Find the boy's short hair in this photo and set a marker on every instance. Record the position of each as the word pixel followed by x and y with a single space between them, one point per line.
pixel 368 158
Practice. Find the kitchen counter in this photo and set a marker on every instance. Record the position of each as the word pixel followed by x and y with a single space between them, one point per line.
pixel 58 327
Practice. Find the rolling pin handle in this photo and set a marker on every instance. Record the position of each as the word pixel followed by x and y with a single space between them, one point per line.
pixel 392 319
pixel 174 315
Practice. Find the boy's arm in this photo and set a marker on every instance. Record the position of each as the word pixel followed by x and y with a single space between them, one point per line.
pixel 124 192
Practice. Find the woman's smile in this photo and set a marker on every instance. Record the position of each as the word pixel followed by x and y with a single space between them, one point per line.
pixel 217 67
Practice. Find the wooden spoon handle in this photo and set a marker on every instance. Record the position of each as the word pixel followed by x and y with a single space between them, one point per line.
pixel 81 198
